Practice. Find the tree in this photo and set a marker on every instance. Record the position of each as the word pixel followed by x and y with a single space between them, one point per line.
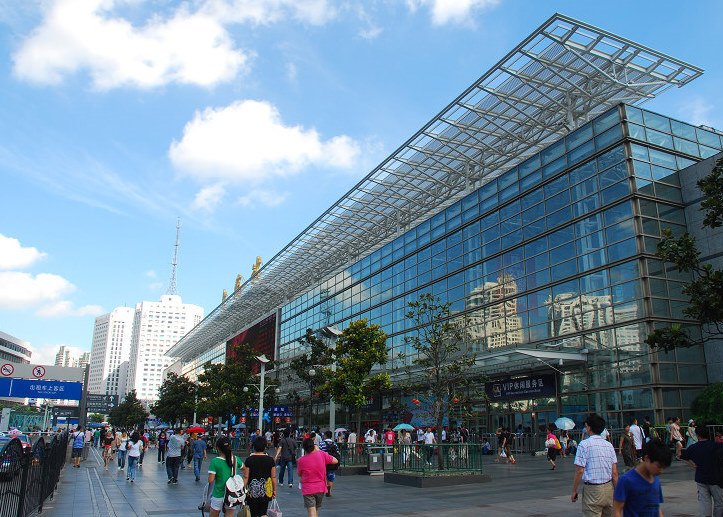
pixel 176 399
pixel 96 418
pixel 318 357
pixel 441 363
pixel 708 406
pixel 358 350
pixel 220 386
pixel 129 414
pixel 706 288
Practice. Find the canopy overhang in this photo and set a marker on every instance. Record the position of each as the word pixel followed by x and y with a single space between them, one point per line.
pixel 562 75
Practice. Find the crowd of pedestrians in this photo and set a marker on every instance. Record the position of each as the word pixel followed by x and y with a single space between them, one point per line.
pixel 275 458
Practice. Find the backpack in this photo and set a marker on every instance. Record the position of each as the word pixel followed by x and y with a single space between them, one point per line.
pixel 332 450
pixel 235 494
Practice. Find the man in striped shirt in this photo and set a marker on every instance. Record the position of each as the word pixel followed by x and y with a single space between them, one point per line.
pixel 596 465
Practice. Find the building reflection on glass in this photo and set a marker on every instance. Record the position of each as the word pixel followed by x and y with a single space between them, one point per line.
pixel 496 324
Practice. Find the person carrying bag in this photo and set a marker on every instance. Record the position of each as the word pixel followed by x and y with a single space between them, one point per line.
pixel 228 489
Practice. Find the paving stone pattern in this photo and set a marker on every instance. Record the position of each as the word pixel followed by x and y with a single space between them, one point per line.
pixel 528 488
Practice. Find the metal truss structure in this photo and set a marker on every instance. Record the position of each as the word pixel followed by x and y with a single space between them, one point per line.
pixel 562 75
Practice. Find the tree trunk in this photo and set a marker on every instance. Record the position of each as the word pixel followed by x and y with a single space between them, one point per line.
pixel 440 424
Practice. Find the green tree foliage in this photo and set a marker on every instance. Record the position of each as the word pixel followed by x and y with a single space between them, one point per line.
pixel 441 362
pixel 708 406
pixel 96 418
pixel 129 414
pixel 706 287
pixel 220 386
pixel 318 357
pixel 176 400
pixel 358 350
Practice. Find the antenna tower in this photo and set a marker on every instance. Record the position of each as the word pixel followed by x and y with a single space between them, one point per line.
pixel 174 264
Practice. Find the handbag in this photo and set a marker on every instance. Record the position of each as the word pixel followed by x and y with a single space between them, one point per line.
pixel 550 443
pixel 205 504
pixel 274 510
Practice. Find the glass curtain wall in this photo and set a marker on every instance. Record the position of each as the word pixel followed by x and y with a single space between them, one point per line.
pixel 556 253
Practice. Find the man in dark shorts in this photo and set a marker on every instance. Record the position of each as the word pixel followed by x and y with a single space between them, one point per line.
pixel 78 438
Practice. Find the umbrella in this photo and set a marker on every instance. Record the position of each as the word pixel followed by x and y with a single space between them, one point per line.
pixel 403 426
pixel 196 429
pixel 564 423
pixel 339 430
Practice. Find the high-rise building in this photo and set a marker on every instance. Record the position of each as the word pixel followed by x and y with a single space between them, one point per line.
pixel 157 326
pixel 14 350
pixel 111 351
pixel 84 360
pixel 66 358
pixel 62 357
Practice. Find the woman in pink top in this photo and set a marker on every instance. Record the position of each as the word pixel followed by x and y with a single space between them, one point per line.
pixel 311 468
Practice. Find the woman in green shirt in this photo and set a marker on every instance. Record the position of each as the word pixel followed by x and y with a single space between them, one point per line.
pixel 219 471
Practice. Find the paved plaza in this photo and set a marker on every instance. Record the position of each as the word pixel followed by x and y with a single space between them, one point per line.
pixel 528 488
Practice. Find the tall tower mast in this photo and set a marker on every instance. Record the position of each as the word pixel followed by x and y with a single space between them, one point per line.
pixel 174 264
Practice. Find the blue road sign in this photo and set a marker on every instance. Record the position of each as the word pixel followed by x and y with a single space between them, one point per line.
pixel 21 388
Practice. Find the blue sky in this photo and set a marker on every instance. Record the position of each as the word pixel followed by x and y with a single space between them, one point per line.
pixel 246 119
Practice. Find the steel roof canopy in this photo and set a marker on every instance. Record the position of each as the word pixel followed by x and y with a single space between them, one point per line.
pixel 562 75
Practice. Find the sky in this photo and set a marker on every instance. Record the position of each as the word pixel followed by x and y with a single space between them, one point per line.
pixel 243 119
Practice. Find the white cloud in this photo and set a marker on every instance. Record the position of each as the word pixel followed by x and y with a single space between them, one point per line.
pixel 185 47
pixel 65 308
pixel 248 141
pixel 151 273
pixel 262 197
pixel 19 290
pixel 698 110
pixel 155 286
pixel 14 256
pixel 266 12
pixel 371 32
pixel 291 72
pixel 208 198
pixel 451 11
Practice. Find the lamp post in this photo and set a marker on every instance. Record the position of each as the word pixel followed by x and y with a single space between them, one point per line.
pixel 261 388
pixel 312 372
pixel 331 333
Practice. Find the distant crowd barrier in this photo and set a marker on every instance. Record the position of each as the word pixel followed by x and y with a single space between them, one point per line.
pixel 28 476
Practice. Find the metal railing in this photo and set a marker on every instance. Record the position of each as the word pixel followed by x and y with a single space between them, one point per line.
pixel 28 476
pixel 449 457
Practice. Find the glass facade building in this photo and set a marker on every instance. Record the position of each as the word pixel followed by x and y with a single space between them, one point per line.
pixel 533 205
pixel 556 254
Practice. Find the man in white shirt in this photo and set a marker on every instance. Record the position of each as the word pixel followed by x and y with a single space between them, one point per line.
pixel 638 438
pixel 352 437
pixel 597 467
pixel 429 441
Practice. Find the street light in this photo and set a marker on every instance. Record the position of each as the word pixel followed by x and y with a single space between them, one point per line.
pixel 312 373
pixel 331 333
pixel 261 388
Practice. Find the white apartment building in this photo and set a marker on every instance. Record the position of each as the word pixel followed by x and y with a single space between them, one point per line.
pixel 67 359
pixel 111 352
pixel 157 327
